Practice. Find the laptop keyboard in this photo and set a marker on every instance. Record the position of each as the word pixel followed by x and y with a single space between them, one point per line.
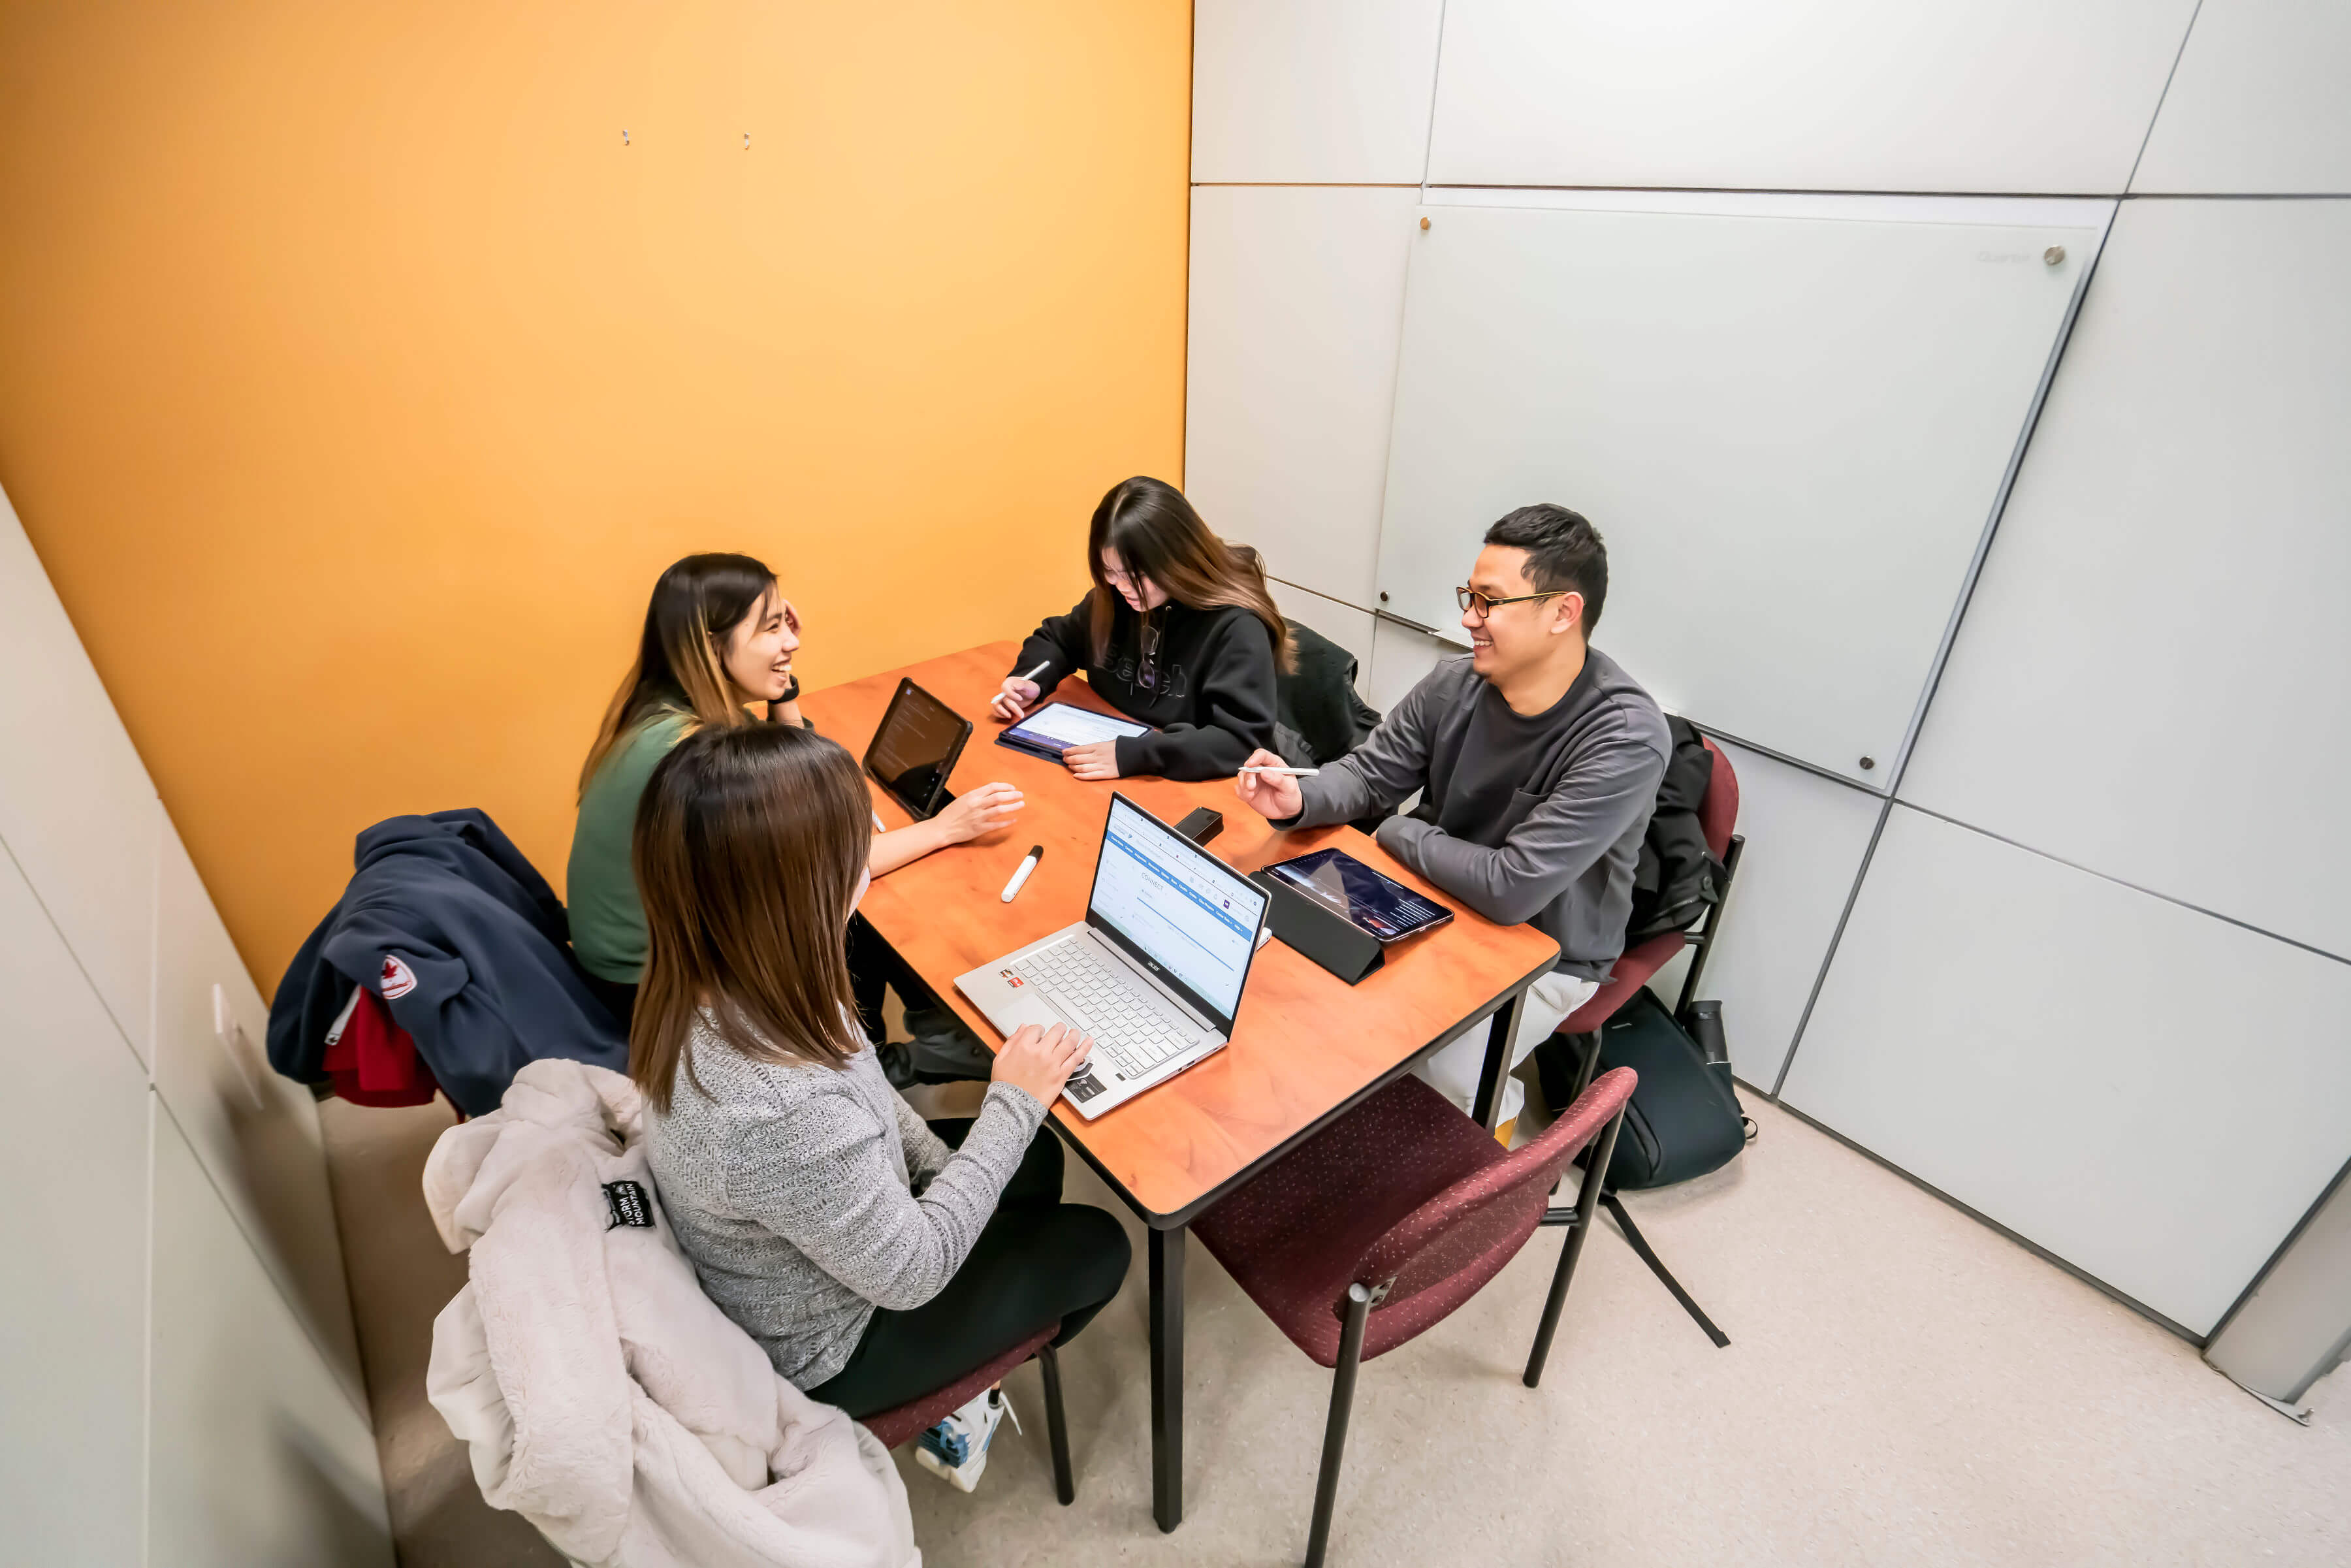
pixel 1132 1035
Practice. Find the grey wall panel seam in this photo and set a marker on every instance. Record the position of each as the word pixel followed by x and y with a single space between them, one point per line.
pixel 2168 78
pixel 2312 948
pixel 1820 978
pixel 300 1311
pixel 2292 1235
pixel 1436 88
pixel 2238 196
pixel 2133 1302
pixel 81 968
pixel 147 1356
pixel 1796 191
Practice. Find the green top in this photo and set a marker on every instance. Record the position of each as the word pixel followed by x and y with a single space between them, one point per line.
pixel 607 922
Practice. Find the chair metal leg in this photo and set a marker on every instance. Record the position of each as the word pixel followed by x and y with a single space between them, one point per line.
pixel 1587 1205
pixel 1057 1427
pixel 1587 1050
pixel 1640 1245
pixel 1335 1435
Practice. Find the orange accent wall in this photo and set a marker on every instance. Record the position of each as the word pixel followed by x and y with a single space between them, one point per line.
pixel 356 379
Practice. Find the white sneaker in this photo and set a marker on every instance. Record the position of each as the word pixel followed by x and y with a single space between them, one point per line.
pixel 956 1449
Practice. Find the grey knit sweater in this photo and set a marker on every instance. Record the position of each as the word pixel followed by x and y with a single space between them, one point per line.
pixel 808 1196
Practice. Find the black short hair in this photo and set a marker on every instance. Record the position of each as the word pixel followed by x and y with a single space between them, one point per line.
pixel 1565 553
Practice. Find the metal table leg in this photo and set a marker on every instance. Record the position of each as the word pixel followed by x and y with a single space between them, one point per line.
pixel 1167 1376
pixel 1496 1069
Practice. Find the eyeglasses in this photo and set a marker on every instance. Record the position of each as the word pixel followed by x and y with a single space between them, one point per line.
pixel 1479 604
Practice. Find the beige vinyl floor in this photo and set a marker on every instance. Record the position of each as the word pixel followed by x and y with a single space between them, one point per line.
pixel 1903 1386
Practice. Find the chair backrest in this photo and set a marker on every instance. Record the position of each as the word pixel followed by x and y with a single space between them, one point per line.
pixel 1498 1207
pixel 1317 700
pixel 1717 814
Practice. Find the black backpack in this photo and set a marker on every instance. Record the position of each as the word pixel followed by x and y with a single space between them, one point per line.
pixel 1678 878
pixel 1683 1119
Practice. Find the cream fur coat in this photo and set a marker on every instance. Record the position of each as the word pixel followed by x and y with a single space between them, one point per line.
pixel 603 1396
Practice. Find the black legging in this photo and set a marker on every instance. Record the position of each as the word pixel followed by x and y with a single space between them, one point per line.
pixel 942 1049
pixel 1037 1260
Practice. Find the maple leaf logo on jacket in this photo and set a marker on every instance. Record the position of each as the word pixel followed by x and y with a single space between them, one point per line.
pixel 397 979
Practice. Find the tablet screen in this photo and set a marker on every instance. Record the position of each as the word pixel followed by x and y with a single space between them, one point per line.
pixel 1057 726
pixel 917 744
pixel 1345 885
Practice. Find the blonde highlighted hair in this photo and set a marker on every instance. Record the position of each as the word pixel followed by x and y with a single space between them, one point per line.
pixel 679 667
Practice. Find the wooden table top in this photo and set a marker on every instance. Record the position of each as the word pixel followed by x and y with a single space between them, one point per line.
pixel 1304 1042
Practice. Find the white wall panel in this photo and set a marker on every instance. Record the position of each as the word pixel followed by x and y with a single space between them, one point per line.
pixel 1806 836
pixel 2000 95
pixel 1318 92
pixel 258 1457
pixel 73 1254
pixel 2260 102
pixel 75 802
pixel 256 1132
pixel 2154 1095
pixel 1344 624
pixel 1297 309
pixel 1400 657
pixel 2156 660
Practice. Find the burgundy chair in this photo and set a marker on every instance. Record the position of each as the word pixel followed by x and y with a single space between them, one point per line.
pixel 1718 818
pixel 911 1420
pixel 1377 1227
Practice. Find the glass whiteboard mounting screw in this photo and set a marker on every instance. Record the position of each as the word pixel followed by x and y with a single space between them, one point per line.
pixel 1868 763
pixel 1424 223
pixel 2054 254
pixel 746 141
pixel 624 139
pixel 1383 599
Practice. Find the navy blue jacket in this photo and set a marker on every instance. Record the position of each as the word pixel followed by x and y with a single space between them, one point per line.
pixel 468 945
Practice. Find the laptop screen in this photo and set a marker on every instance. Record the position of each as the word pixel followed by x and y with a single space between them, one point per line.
pixel 1180 907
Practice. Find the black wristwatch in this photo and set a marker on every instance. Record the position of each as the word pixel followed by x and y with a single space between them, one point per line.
pixel 791 692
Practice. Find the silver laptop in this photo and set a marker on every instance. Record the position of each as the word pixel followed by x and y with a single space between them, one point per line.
pixel 1153 972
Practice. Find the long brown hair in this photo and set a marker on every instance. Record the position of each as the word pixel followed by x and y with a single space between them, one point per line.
pixel 696 605
pixel 749 846
pixel 1156 533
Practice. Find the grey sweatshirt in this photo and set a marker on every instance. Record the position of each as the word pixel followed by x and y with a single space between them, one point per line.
pixel 808 1195
pixel 1527 818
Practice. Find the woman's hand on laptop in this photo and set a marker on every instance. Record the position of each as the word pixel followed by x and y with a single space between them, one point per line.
pixel 1013 700
pixel 1273 796
pixel 979 813
pixel 1040 1060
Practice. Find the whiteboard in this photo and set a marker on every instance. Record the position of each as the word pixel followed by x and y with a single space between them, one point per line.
pixel 1791 419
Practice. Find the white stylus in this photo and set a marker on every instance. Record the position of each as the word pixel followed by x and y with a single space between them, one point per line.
pixel 1028 863
pixel 1038 671
pixel 1293 772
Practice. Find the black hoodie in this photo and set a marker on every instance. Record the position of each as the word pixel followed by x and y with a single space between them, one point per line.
pixel 1209 690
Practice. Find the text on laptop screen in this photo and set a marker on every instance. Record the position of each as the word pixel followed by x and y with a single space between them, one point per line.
pixel 1194 917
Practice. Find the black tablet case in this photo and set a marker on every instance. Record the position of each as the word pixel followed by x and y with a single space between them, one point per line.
pixel 1333 941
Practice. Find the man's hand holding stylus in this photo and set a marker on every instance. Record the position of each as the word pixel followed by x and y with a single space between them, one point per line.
pixel 1273 796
